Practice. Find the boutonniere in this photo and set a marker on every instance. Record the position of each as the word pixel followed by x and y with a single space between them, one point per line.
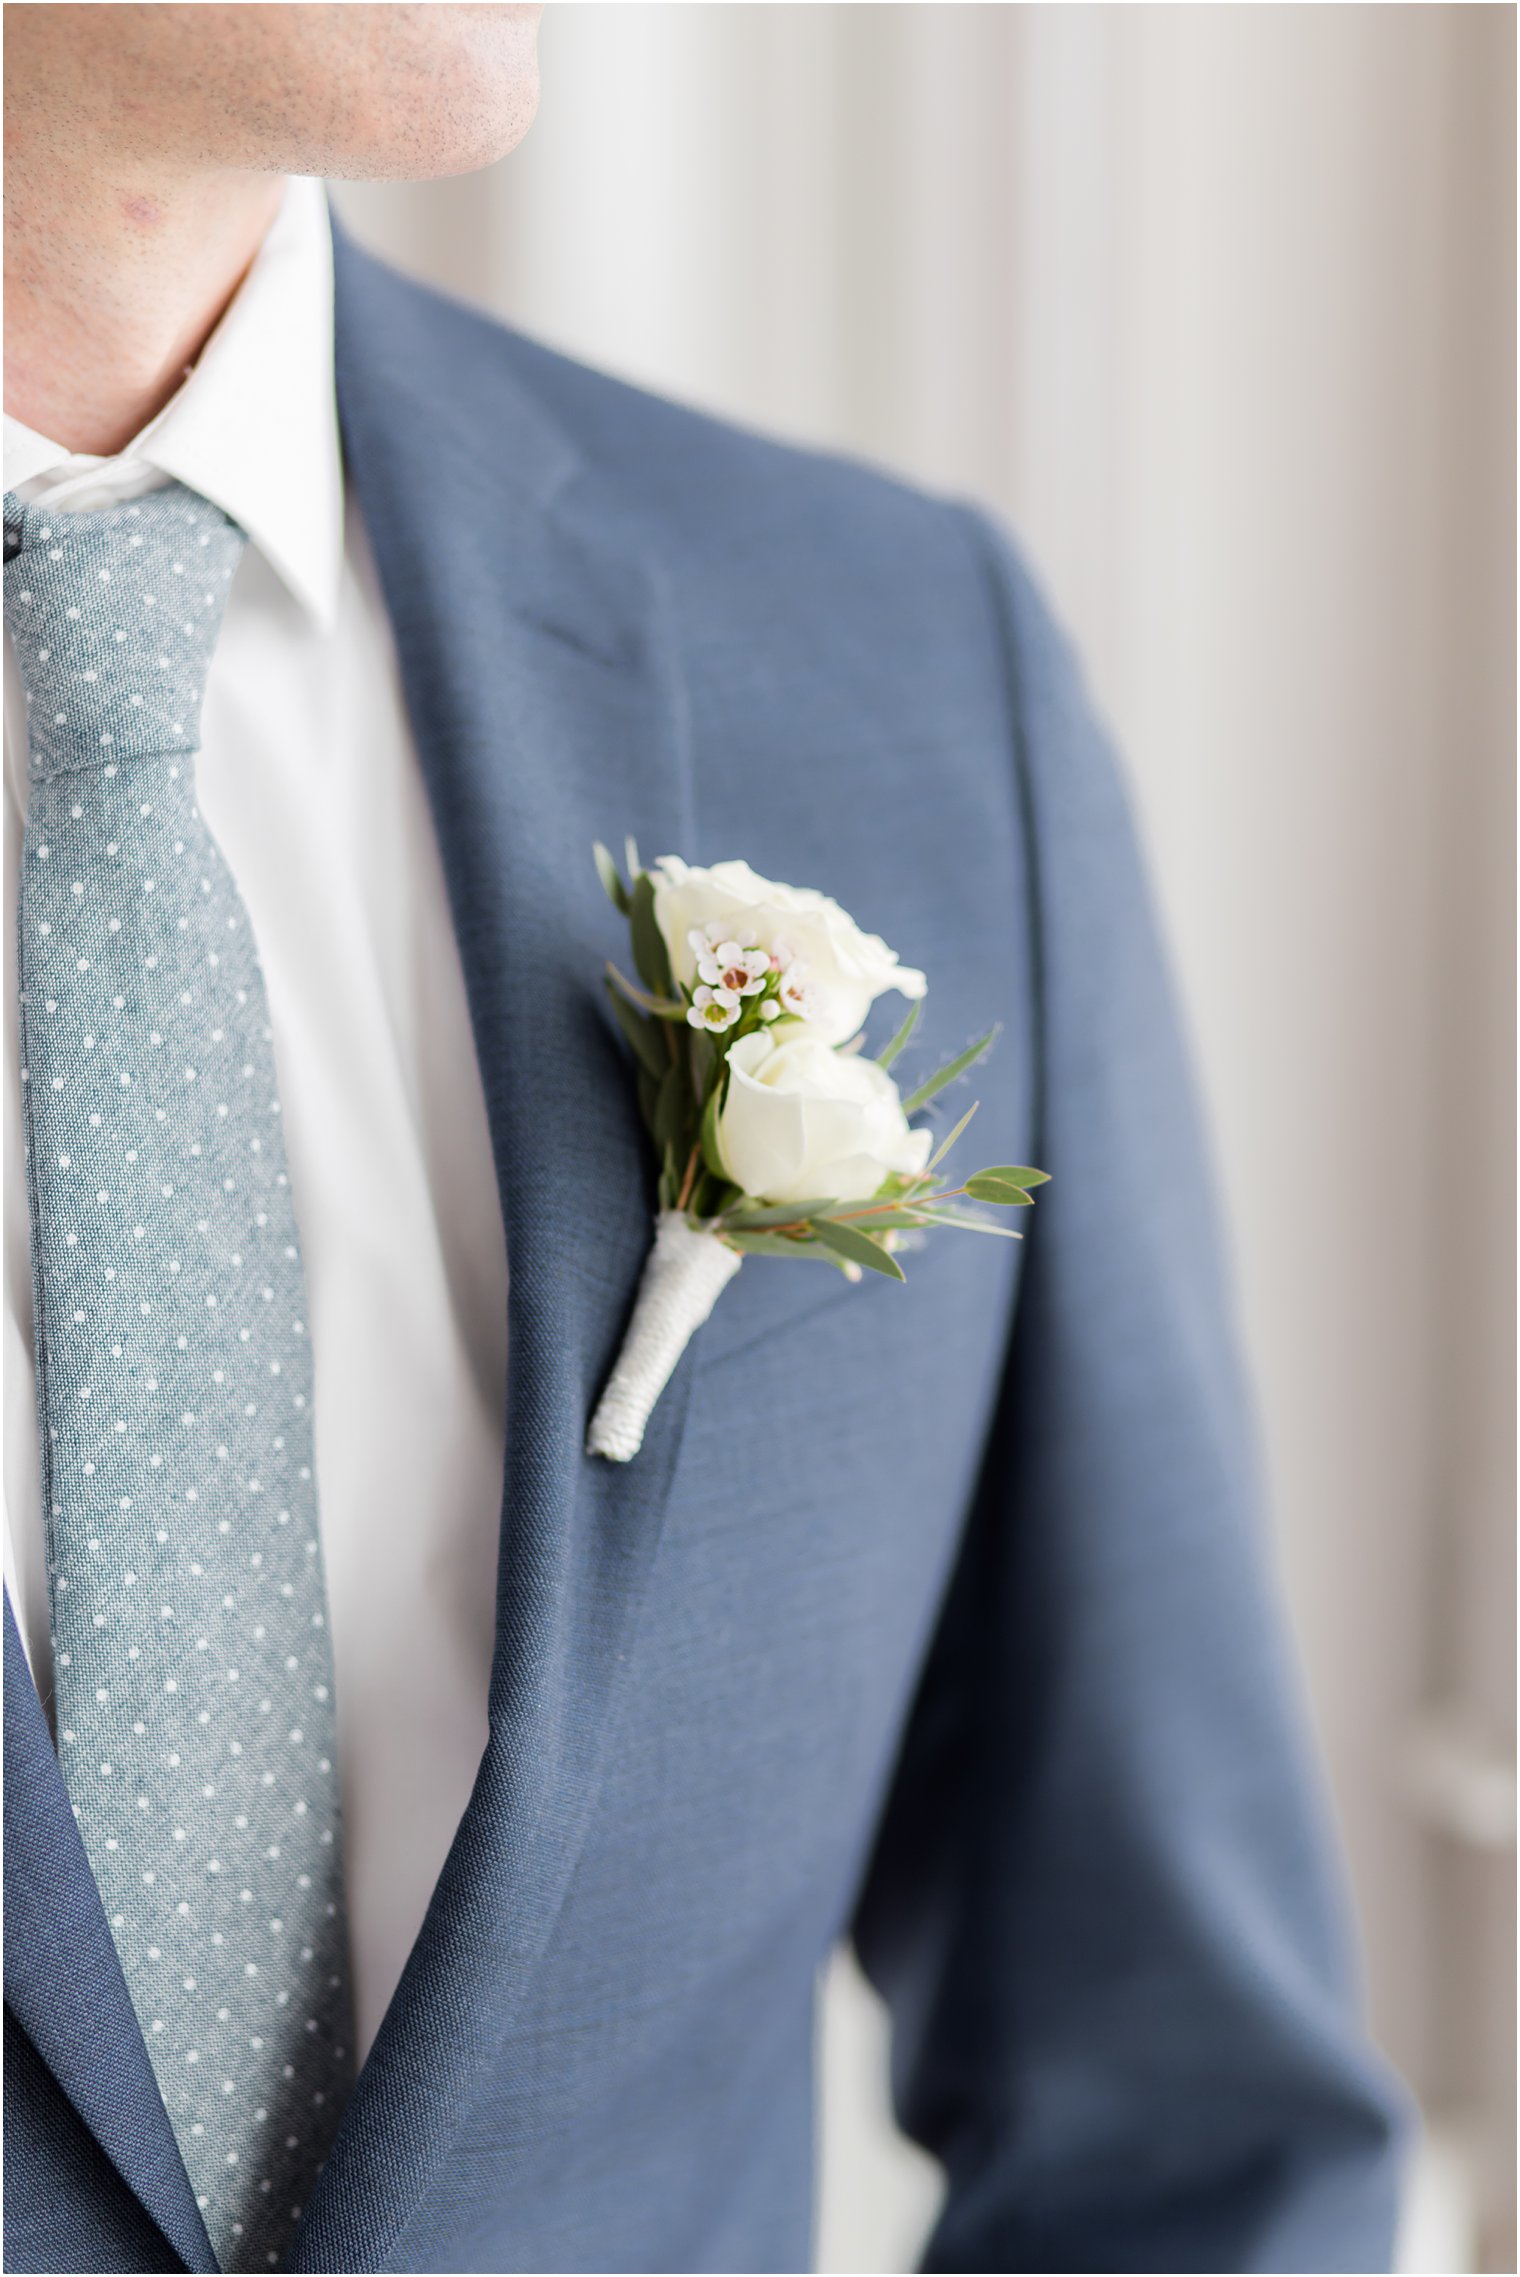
pixel 775 1135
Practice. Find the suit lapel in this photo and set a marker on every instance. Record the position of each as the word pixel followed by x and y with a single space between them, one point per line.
pixel 63 1980
pixel 547 712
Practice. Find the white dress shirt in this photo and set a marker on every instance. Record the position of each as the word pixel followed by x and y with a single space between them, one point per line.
pixel 309 781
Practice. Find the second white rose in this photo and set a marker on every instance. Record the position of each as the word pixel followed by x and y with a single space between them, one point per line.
pixel 803 1122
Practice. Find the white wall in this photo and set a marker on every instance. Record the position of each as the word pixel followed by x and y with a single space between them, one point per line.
pixel 1216 304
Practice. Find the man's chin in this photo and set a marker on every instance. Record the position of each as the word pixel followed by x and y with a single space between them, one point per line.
pixel 429 151
pixel 440 105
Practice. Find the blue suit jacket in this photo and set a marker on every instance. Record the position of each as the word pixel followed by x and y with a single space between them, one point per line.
pixel 933 1614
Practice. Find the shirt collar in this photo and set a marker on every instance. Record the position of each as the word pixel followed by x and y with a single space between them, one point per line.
pixel 255 425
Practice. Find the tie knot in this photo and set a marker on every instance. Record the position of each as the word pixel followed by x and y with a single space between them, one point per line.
pixel 113 616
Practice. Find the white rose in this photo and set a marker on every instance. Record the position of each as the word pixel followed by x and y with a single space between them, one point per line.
pixel 803 1122
pixel 839 971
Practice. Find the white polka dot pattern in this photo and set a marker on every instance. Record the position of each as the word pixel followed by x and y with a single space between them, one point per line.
pixel 193 1666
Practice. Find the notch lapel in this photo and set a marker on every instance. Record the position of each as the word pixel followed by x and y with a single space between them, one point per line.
pixel 63 1980
pixel 548 711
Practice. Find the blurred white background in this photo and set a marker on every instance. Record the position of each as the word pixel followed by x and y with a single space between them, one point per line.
pixel 1216 305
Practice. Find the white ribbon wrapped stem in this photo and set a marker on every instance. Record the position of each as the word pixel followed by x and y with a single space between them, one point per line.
pixel 686 1274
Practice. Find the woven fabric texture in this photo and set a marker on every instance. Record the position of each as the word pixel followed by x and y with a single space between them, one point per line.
pixel 193 1669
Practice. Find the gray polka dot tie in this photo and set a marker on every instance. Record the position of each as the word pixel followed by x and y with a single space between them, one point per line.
pixel 193 1684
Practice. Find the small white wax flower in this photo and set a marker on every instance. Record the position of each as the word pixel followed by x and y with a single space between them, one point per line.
pixel 793 992
pixel 728 965
pixel 714 1008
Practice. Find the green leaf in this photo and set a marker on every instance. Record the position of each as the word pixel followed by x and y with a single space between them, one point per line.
pixel 885 1059
pixel 938 1156
pixel 642 1035
pixel 712 1196
pixel 779 1213
pixel 947 1074
pixel 648 941
pixel 988 1186
pixel 778 1245
pixel 704 1056
pixel 612 884
pixel 1012 1175
pixel 662 1007
pixel 670 1111
pixel 965 1223
pixel 710 1153
pixel 857 1247
pixel 631 857
pixel 879 1220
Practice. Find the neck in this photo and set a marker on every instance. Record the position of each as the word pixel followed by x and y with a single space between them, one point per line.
pixel 114 283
